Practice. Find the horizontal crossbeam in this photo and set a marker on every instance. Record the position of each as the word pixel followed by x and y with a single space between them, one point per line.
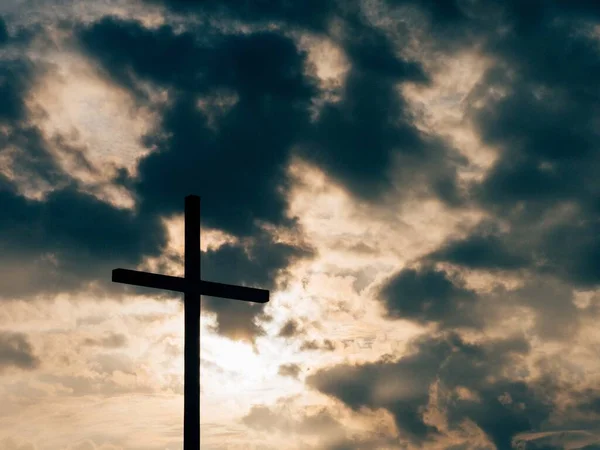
pixel 170 283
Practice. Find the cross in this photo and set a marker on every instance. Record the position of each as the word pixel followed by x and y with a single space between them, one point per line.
pixel 192 287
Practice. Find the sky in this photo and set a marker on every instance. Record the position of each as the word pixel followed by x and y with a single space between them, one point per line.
pixel 415 182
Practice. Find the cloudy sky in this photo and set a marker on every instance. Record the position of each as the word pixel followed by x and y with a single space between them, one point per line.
pixel 416 182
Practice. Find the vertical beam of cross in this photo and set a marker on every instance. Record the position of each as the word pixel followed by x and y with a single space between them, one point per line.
pixel 193 287
pixel 191 384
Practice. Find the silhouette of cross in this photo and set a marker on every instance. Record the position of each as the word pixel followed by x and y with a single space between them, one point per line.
pixel 192 287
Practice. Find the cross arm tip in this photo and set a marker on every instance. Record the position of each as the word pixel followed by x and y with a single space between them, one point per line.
pixel 264 298
pixel 117 274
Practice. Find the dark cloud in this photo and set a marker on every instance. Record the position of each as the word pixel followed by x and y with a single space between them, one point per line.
pixel 557 440
pixel 237 320
pixel 591 404
pixel 481 251
pixel 257 262
pixel 68 240
pixel 72 239
pixel 261 264
pixel 21 36
pixel 542 117
pixel 326 345
pixel 290 370
pixel 29 158
pixel 355 386
pixel 360 138
pixel 130 52
pixel 571 251
pixel 556 315
pixel 429 295
pixel 543 185
pixel 239 167
pixel 503 405
pixel 311 14
pixel 356 140
pixel 16 351
pixel 3 31
pixel 290 329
